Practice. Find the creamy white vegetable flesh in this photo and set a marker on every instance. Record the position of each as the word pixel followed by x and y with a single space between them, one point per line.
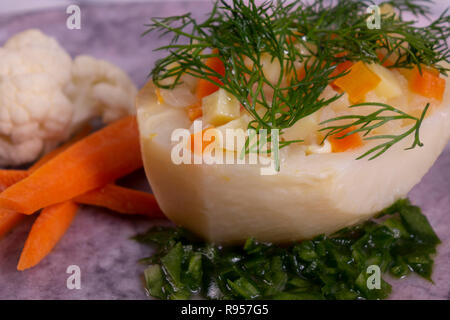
pixel 312 194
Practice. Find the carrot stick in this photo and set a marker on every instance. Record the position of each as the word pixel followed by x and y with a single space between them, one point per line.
pixel 116 198
pixel 80 135
pixel 8 220
pixel 10 177
pixel 45 233
pixel 122 200
pixel 92 162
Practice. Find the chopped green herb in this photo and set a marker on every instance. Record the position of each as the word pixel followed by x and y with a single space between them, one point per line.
pixel 400 241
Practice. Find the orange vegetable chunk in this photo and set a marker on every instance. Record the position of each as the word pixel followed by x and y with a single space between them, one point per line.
pixel 92 162
pixel 116 198
pixel 8 220
pixel 199 137
pixel 194 112
pixel 205 87
pixel 122 200
pixel 45 233
pixel 358 82
pixel 427 84
pixel 80 135
pixel 352 141
pixel 340 68
pixel 10 177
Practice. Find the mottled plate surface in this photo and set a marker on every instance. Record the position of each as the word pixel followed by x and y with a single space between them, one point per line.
pixel 98 240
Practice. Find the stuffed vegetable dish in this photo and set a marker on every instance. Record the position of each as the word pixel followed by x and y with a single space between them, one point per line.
pixel 343 116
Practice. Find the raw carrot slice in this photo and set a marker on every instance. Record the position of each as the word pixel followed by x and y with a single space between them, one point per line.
pixel 80 135
pixel 10 177
pixel 45 233
pixel 352 141
pixel 358 82
pixel 92 162
pixel 8 220
pixel 122 200
pixel 427 84
pixel 205 87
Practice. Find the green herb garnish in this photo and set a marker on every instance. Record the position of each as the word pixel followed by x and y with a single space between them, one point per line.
pixel 243 31
pixel 400 241
pixel 365 124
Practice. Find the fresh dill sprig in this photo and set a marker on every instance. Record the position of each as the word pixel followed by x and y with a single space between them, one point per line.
pixel 343 28
pixel 244 34
pixel 367 123
pixel 239 32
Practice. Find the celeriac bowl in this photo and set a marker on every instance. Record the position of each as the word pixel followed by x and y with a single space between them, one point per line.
pixel 312 194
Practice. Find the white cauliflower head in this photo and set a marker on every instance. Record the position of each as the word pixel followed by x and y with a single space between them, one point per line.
pixel 100 88
pixel 45 96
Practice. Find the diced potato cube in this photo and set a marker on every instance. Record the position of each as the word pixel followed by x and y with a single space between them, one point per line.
pixel 305 129
pixel 220 108
pixel 388 87
pixel 236 130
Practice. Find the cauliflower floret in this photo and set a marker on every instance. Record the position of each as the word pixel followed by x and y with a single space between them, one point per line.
pixel 37 53
pixel 45 96
pixel 100 88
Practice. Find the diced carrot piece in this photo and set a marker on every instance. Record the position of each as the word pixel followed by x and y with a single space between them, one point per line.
pixel 340 68
pixel 358 82
pixel 388 62
pixel 291 39
pixel 194 112
pixel 352 141
pixel 341 54
pixel 80 135
pixel 299 75
pixel 205 87
pixel 427 84
pixel 45 233
pixel 92 162
pixel 122 200
pixel 200 137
